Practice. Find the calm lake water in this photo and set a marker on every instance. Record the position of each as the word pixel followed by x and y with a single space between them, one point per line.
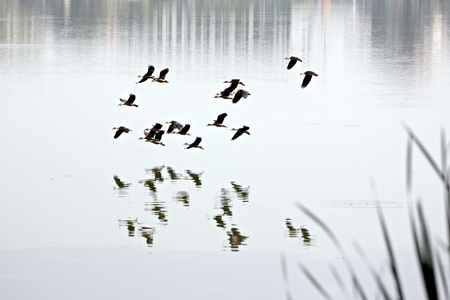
pixel 84 215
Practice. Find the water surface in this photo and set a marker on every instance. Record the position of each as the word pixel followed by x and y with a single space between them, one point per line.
pixel 67 184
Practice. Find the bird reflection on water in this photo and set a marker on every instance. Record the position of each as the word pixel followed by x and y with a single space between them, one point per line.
pixel 172 174
pixel 301 233
pixel 236 239
pixel 130 224
pixel 160 208
pixel 195 177
pixel 144 231
pixel 182 197
pixel 120 184
pixel 241 192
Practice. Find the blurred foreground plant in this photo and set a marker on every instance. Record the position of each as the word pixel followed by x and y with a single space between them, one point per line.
pixel 434 277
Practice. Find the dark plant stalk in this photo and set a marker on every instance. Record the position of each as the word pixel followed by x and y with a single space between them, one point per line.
pixel 442 275
pixel 375 275
pixel 424 254
pixel 338 245
pixel 443 175
pixel 285 277
pixel 338 279
pixel 314 281
pixel 387 242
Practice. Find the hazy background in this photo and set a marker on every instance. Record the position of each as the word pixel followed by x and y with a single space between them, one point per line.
pixel 230 207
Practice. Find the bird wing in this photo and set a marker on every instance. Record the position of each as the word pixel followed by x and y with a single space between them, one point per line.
pixel 131 98
pixel 236 135
pixel 150 70
pixel 292 63
pixel 221 117
pixel 171 128
pixel 244 93
pixel 126 130
pixel 245 128
pixel 118 133
pixel 237 81
pixel 196 142
pixel 185 128
pixel 143 79
pixel 150 134
pixel 237 97
pixel 158 135
pixel 157 126
pixel 163 73
pixel 227 91
pixel 306 81
pixel 232 86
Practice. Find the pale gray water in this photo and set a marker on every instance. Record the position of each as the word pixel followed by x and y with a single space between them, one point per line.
pixel 65 64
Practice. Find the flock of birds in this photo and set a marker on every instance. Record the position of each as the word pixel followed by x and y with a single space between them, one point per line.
pixel 155 133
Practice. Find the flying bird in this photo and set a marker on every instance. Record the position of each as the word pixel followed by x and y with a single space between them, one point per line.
pixel 184 130
pixel 162 76
pixel 219 121
pixel 307 79
pixel 147 75
pixel 173 125
pixel 293 60
pixel 234 82
pixel 149 134
pixel 195 144
pixel 120 130
pixel 227 92
pixel 129 101
pixel 240 131
pixel 239 94
pixel 157 139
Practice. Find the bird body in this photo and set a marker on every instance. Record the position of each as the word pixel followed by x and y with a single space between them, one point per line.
pixel 162 76
pixel 129 101
pixel 292 61
pixel 307 79
pixel 147 75
pixel 219 121
pixel 195 144
pixel 120 130
pixel 240 131
pixel 240 94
